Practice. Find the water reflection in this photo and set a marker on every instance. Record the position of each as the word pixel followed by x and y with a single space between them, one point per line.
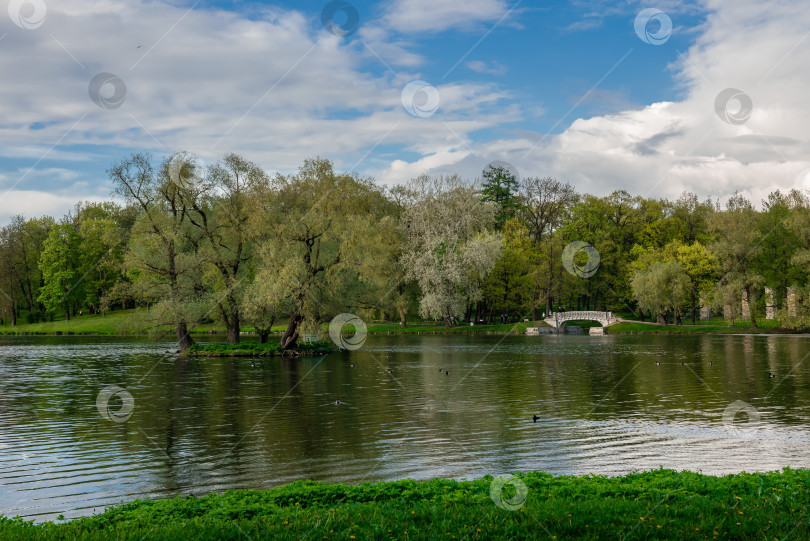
pixel 403 406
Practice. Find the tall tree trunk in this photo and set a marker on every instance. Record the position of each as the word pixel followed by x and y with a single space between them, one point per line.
pixel 290 337
pixel 550 277
pixel 233 330
pixel 751 306
pixel 233 320
pixel 264 335
pixel 184 339
pixel 694 295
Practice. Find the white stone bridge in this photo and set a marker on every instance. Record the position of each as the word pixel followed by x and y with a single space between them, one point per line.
pixel 559 319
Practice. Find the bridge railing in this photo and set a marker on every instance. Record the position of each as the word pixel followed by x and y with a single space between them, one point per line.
pixel 589 315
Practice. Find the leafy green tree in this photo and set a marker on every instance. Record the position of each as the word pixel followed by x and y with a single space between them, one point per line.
pixel 161 253
pixel 702 268
pixel 219 207
pixel 661 289
pixel 544 205
pixel 737 247
pixel 779 242
pixel 500 186
pixel 103 240
pixel 508 287
pixel 325 245
pixel 60 266
pixel 691 218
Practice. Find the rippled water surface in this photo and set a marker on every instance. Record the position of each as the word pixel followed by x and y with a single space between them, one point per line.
pixel 606 405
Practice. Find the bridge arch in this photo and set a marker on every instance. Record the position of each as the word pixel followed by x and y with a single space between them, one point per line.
pixel 559 319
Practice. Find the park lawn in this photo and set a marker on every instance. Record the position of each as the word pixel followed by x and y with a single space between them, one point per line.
pixel 714 326
pixel 660 504
pixel 112 323
pixel 120 322
pixel 125 322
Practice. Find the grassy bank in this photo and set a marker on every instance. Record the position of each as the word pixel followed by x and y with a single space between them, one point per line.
pixel 716 326
pixel 655 505
pixel 255 349
pixel 128 322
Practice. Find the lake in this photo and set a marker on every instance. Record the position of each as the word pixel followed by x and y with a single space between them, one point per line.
pixel 72 441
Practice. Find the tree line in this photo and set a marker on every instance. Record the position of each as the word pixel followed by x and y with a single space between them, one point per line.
pixel 231 243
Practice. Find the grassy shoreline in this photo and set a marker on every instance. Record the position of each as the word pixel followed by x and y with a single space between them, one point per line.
pixel 660 504
pixel 123 323
pixel 255 349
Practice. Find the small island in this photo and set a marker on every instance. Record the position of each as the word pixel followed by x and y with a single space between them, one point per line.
pixel 257 349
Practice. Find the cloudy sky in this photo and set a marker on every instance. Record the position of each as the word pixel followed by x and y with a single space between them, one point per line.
pixel 653 97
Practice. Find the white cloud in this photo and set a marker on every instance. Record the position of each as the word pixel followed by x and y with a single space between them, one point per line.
pixel 35 203
pixel 668 147
pixel 479 66
pixel 272 87
pixel 276 90
pixel 437 15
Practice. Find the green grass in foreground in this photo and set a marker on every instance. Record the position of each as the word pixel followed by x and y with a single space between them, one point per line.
pixel 661 504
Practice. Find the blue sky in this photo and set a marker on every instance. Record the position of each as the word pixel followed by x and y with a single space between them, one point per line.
pixel 566 89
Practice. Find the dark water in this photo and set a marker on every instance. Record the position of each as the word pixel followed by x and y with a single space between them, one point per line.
pixel 201 425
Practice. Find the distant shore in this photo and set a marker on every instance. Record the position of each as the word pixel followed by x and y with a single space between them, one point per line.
pixel 123 323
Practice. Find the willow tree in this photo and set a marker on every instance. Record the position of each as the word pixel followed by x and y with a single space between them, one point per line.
pixel 450 249
pixel 661 289
pixel 325 243
pixel 161 255
pixel 219 209
pixel 738 245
